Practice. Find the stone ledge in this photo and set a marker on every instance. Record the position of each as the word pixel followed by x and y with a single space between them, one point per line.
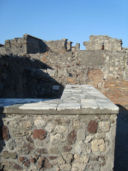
pixel 76 99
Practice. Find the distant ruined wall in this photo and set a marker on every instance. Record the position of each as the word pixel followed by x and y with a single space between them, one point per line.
pixel 76 68
pixel 35 45
pixel 58 45
pixel 30 45
pixel 25 45
pixel 62 45
pixel 16 46
pixel 103 43
pixel 96 65
pixel 23 77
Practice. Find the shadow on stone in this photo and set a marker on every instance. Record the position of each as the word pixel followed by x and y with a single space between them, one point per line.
pixel 25 77
pixel 121 143
pixel 2 143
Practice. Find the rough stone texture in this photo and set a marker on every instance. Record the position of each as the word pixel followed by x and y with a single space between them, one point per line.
pixel 39 134
pixel 58 45
pixel 66 137
pixel 84 99
pixel 66 65
pixel 103 43
pixel 92 127
pixel 22 76
pixel 5 133
pixel 77 153
pixel 106 69
pixel 72 137
pixel 21 46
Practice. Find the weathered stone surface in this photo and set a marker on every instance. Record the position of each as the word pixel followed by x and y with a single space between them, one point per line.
pixel 39 123
pixel 26 148
pixel 24 161
pixel 27 163
pixel 67 148
pixel 11 144
pixel 17 167
pixel 5 133
pixel 93 66
pixel 49 127
pixel 54 139
pixel 39 134
pixel 52 157
pixel 104 126
pixel 92 126
pixel 79 162
pixel 42 151
pixel 105 68
pixel 95 77
pixel 33 160
pixel 43 163
pixel 88 138
pixel 64 141
pixel 81 134
pixel 98 145
pixel 72 137
pixel 68 157
pixel 103 43
pixel 65 167
pixel 11 155
pixel 78 150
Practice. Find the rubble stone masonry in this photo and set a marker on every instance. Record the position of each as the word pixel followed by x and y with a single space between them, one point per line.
pixel 74 133
pixel 104 61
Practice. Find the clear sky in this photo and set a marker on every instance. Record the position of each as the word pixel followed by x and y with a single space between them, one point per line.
pixel 57 19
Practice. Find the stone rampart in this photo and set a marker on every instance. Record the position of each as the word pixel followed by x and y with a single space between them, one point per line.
pixel 76 132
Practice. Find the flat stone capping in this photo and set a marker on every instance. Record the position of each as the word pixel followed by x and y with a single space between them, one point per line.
pixel 76 99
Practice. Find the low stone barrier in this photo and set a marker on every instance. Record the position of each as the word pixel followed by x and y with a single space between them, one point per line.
pixel 74 133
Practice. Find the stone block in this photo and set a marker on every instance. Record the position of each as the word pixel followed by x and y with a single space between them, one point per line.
pixel 92 126
pixel 39 134
pixel 98 145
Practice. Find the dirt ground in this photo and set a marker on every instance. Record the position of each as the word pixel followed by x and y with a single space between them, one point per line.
pixel 117 92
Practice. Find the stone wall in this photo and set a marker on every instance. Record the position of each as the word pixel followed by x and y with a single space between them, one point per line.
pixel 74 68
pixel 31 45
pixel 14 46
pixel 61 46
pixel 25 45
pixel 70 65
pixel 66 138
pixel 103 43
pixel 35 45
pixel 25 77
pixel 58 45
pixel 61 142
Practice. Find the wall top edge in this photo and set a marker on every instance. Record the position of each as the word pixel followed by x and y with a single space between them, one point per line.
pixel 75 100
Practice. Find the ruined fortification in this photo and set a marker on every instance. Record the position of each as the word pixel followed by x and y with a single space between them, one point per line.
pixel 43 127
pixel 103 61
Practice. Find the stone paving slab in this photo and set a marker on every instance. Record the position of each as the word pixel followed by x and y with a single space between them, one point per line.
pixel 83 99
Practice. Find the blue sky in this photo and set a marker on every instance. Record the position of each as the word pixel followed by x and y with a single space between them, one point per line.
pixel 56 19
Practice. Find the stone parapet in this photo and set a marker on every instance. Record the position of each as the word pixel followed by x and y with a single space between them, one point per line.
pixel 74 133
